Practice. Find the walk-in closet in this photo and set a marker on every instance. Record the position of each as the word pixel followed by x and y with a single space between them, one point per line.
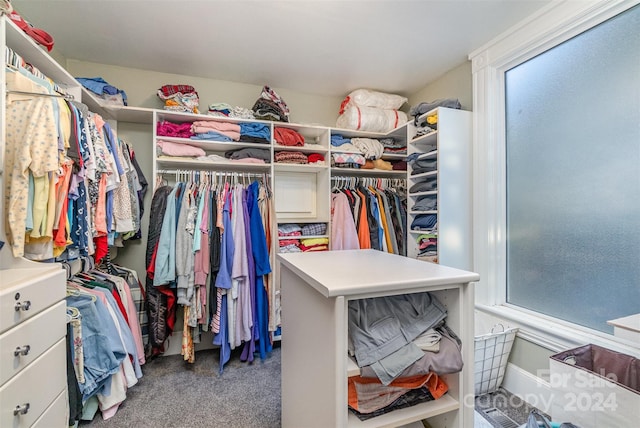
pixel 274 214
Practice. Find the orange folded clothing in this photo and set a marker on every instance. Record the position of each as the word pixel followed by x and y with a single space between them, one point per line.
pixel 366 395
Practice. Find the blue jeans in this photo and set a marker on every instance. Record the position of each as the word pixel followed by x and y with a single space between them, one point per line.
pixel 102 348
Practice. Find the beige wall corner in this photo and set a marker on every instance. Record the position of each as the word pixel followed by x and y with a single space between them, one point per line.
pixel 456 83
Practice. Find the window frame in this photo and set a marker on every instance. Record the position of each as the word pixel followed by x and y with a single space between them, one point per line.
pixel 550 26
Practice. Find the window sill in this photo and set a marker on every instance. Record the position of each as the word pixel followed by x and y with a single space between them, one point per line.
pixel 554 334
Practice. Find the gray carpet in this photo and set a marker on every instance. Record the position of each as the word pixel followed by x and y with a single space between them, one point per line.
pixel 176 394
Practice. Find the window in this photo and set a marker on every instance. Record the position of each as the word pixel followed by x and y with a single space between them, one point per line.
pixel 572 122
pixel 556 181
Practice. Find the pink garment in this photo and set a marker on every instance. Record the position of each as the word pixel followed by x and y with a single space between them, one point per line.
pixel 285 242
pixel 214 125
pixel 99 122
pixel 240 272
pixel 234 135
pixel 176 149
pixel 248 160
pixel 201 262
pixel 231 130
pixel 169 129
pixel 134 324
pixel 344 235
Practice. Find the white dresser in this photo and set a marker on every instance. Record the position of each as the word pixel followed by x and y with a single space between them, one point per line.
pixel 33 377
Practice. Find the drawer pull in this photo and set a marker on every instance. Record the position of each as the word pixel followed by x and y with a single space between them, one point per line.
pixel 23 306
pixel 22 350
pixel 21 409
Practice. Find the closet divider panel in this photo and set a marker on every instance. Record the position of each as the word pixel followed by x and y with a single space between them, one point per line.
pixel 440 171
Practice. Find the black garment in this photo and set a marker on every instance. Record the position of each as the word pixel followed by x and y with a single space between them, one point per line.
pixel 156 301
pixel 142 192
pixel 411 398
pixel 214 254
pixel 253 139
pixel 75 396
pixel 373 222
pixel 268 108
pixel 396 220
pixel 249 152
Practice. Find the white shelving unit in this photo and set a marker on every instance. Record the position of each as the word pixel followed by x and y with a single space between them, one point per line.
pixel 450 147
pixel 316 289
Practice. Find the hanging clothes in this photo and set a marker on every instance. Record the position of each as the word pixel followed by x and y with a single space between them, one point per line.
pixel 72 185
pixel 219 273
pixel 108 351
pixel 374 208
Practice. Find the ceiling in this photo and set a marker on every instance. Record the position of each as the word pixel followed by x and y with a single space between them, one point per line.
pixel 317 47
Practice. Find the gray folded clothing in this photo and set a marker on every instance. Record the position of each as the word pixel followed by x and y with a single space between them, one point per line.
pixel 426 203
pixel 425 107
pixel 249 152
pixel 423 186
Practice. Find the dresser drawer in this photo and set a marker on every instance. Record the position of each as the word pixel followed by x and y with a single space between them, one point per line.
pixel 34 388
pixel 32 338
pixel 29 290
pixel 57 415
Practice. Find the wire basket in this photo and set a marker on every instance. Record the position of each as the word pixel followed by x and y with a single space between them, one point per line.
pixel 491 355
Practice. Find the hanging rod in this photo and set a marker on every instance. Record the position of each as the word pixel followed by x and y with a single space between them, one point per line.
pixel 67 97
pixel 343 180
pixel 217 173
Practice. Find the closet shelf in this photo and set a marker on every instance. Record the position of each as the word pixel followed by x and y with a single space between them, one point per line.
pixel 300 219
pixel 313 148
pixel 352 133
pixel 181 117
pixel 420 232
pixel 310 132
pixel 368 172
pixel 431 154
pixel 429 138
pixel 423 212
pixel 213 145
pixel 418 194
pixel 398 417
pixel 294 167
pixel 427 114
pixel 393 156
pixel 284 238
pixel 303 221
pixel 36 56
pixel 205 165
pixel 131 114
pixel 352 367
pixel 424 174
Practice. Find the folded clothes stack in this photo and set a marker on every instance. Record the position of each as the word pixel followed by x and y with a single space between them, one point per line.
pixel 109 93
pixel 270 106
pixel 183 98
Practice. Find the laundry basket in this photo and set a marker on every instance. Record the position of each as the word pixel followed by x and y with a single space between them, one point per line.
pixel 491 355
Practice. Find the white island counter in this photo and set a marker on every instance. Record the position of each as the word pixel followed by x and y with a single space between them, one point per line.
pixel 315 291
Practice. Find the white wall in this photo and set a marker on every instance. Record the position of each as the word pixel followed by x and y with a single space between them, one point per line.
pixel 456 83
